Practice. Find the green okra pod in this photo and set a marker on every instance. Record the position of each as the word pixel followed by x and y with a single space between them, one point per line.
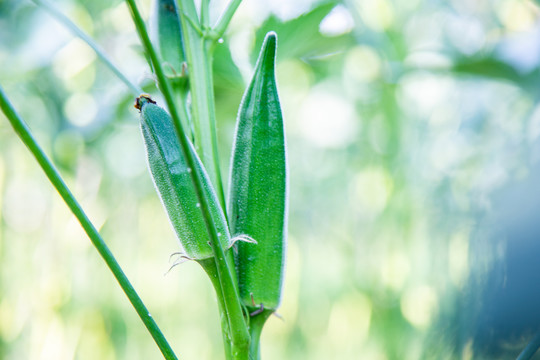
pixel 172 178
pixel 166 20
pixel 257 203
pixel 170 43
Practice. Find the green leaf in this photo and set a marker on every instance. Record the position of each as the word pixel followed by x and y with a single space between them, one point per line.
pixel 228 82
pixel 258 186
pixel 488 67
pixel 173 180
pixel 301 38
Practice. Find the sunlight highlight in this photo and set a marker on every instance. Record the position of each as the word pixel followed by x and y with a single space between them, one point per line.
pixel 419 305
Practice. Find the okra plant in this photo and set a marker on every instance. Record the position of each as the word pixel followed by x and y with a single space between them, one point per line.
pixel 239 240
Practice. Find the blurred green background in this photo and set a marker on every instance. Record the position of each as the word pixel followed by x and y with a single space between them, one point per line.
pixel 413 130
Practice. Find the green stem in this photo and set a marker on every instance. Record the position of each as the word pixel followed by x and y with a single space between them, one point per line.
pixel 531 348
pixel 199 62
pixel 225 18
pixel 256 324
pixel 205 13
pixel 209 265
pixel 88 40
pixel 239 332
pixel 52 173
pixel 184 117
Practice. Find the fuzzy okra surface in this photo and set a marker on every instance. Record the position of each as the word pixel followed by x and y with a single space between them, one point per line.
pixel 257 204
pixel 172 178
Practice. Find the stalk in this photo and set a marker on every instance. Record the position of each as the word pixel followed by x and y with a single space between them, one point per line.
pixel 530 349
pixel 209 265
pixel 205 13
pixel 256 324
pixel 234 310
pixel 52 173
pixel 198 50
pixel 225 18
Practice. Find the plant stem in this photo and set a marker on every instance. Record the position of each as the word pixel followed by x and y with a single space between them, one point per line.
pixel 199 62
pixel 256 324
pixel 198 51
pixel 205 13
pixel 52 173
pixel 209 265
pixel 88 40
pixel 225 18
pixel 531 348
pixel 182 95
pixel 239 331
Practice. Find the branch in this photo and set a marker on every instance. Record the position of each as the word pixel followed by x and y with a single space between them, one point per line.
pixel 52 173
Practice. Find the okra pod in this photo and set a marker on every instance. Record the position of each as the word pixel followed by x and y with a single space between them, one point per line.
pixel 257 202
pixel 169 34
pixel 172 178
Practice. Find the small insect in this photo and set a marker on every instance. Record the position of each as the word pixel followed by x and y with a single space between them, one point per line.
pixel 141 99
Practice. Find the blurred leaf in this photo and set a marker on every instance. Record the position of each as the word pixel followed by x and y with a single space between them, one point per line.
pixel 487 67
pixel 492 68
pixel 228 82
pixel 300 37
pixel 14 19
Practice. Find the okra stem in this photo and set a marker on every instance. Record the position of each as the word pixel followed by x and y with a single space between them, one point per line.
pixel 256 324
pixel 225 18
pixel 199 63
pixel 205 13
pixel 209 265
pixel 239 331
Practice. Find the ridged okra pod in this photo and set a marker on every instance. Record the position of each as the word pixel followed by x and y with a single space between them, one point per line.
pixel 166 24
pixel 168 37
pixel 257 203
pixel 172 178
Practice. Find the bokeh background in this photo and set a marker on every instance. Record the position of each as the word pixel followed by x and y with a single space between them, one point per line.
pixel 413 138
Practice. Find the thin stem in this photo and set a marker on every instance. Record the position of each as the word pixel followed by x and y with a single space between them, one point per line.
pixel 225 18
pixel 184 117
pixel 199 63
pixel 239 332
pixel 198 56
pixel 209 265
pixel 52 173
pixel 256 324
pixel 195 25
pixel 205 13
pixel 530 349
pixel 88 40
